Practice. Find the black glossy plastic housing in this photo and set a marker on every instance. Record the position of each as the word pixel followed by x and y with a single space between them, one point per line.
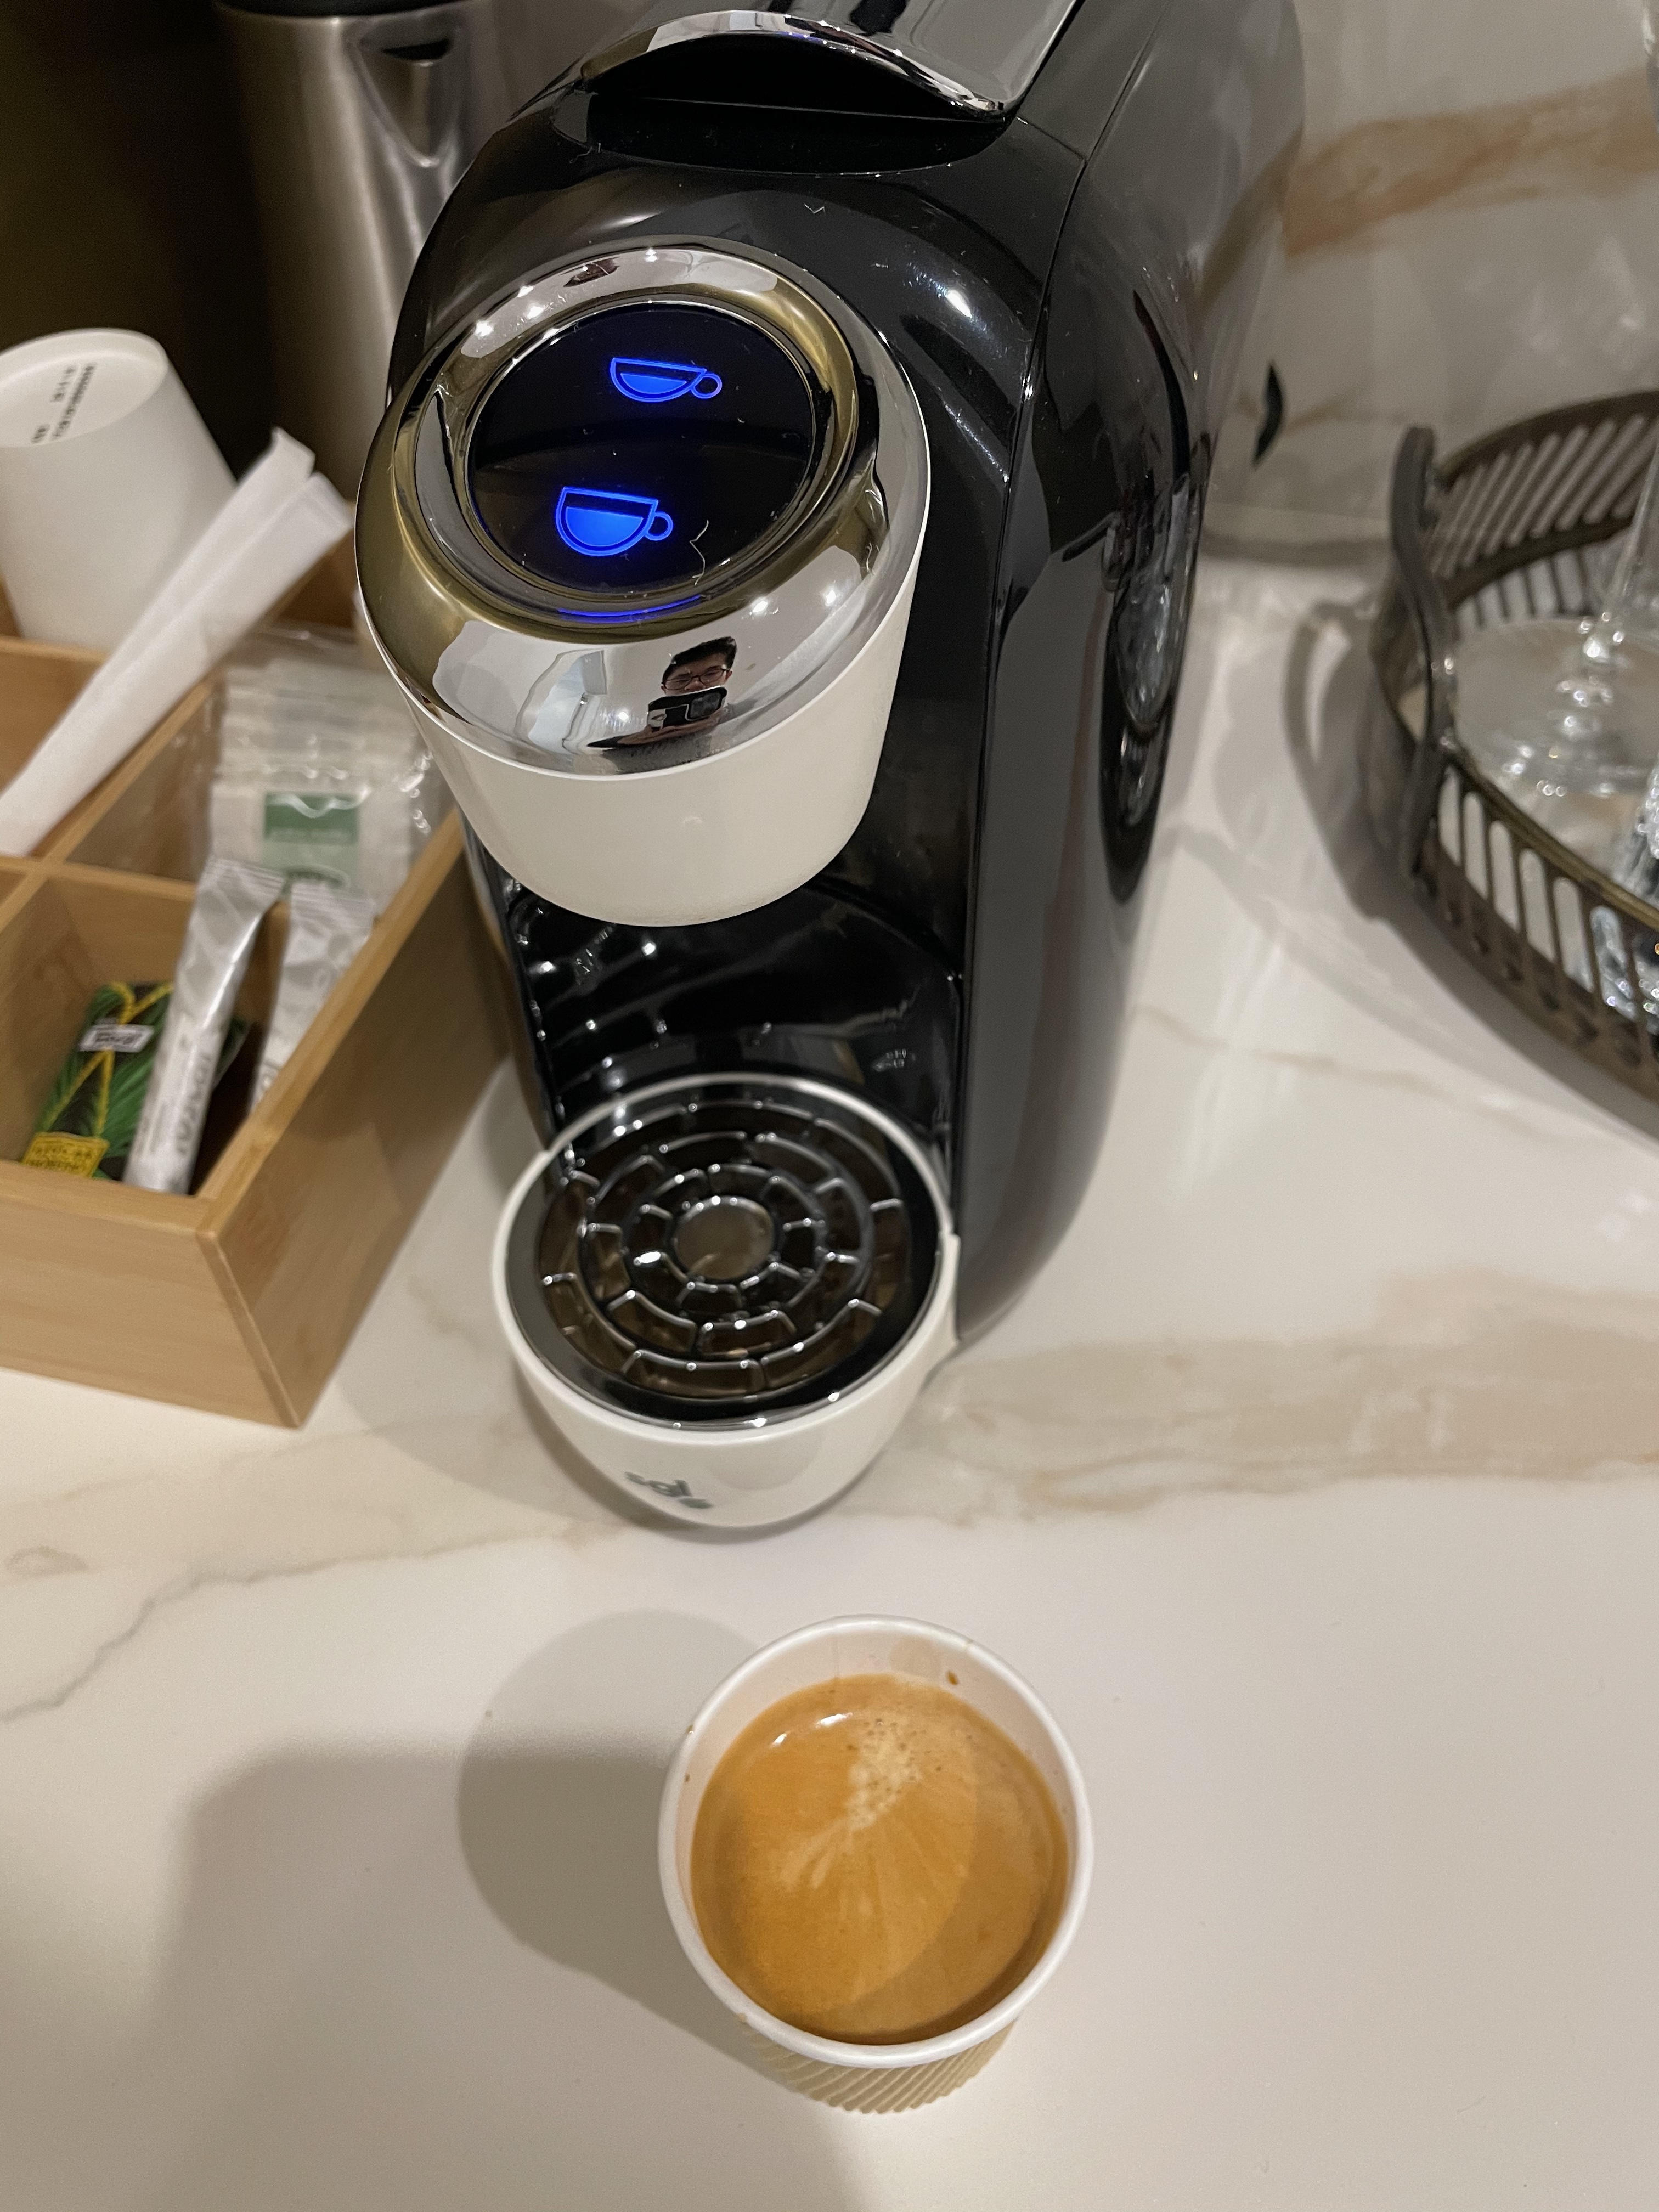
pixel 1067 290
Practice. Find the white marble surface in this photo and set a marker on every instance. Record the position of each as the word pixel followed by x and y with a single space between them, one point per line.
pixel 1312 1483
pixel 1472 234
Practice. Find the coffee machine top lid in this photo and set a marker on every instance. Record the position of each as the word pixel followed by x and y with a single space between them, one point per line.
pixel 640 508
pixel 980 55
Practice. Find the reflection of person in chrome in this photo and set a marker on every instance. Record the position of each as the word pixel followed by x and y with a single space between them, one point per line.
pixel 694 686
pixel 694 699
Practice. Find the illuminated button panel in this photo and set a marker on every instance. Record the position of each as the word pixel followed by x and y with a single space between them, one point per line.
pixel 640 447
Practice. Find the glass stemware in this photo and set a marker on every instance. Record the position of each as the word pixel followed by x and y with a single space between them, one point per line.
pixel 1565 714
pixel 1602 715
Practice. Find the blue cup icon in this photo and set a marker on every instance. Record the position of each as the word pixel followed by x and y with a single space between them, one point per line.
pixel 601 523
pixel 653 381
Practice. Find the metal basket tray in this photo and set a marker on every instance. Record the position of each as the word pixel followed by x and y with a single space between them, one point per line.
pixel 1506 530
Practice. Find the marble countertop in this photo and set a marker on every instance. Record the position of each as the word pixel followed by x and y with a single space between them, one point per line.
pixel 1312 1484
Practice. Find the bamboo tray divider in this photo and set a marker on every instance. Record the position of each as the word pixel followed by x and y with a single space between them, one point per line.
pixel 240 1298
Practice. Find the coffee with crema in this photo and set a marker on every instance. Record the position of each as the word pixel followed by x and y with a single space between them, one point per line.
pixel 875 1861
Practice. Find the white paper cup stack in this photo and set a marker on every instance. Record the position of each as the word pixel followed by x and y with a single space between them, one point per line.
pixel 864 2077
pixel 107 478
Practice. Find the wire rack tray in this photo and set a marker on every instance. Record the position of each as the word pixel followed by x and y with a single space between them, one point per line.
pixel 1508 530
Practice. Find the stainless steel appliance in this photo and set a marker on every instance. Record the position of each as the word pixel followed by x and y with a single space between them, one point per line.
pixel 784 529
pixel 360 123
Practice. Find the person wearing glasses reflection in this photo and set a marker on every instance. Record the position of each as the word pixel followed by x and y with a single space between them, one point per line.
pixel 694 686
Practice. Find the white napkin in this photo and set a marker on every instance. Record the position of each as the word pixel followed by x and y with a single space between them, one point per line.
pixel 278 523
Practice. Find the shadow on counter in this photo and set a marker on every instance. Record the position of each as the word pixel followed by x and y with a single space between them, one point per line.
pixel 558 1803
pixel 362 2014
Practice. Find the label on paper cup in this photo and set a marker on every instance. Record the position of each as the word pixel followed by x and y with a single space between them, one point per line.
pixel 45 402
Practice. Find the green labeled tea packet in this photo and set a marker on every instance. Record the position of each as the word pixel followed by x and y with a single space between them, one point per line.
pixel 91 1116
pixel 312 834
pixel 88 1122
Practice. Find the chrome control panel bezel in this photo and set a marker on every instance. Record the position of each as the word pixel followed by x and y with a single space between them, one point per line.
pixel 484 644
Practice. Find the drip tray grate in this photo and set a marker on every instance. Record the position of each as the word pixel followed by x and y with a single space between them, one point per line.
pixel 724 1250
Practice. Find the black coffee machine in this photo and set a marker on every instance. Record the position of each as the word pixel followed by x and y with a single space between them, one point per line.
pixel 784 529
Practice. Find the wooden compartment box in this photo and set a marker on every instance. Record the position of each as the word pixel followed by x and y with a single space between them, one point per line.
pixel 240 1298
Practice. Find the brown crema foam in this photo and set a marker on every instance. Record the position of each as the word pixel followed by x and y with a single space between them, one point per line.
pixel 875 1861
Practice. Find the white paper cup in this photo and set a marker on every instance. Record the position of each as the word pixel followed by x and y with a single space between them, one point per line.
pixel 865 2077
pixel 108 478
